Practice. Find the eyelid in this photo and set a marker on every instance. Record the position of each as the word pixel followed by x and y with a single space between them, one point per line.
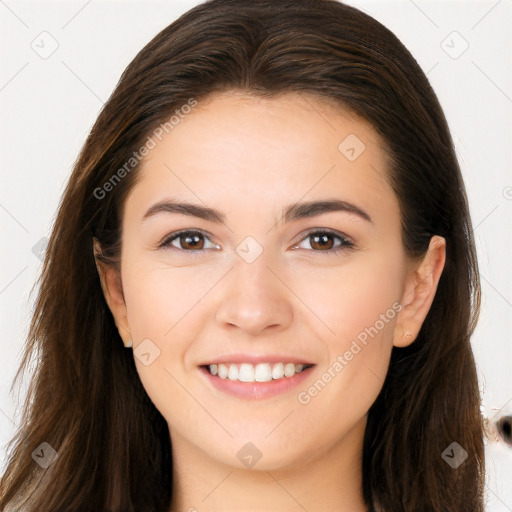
pixel 328 231
pixel 346 242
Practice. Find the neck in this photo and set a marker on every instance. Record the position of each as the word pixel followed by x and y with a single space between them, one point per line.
pixel 330 479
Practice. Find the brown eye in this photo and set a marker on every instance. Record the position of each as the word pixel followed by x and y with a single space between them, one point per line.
pixel 191 241
pixel 326 241
pixel 323 241
pixel 187 241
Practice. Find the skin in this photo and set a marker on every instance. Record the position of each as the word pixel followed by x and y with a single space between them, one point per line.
pixel 250 157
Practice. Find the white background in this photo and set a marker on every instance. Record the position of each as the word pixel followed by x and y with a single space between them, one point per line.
pixel 49 104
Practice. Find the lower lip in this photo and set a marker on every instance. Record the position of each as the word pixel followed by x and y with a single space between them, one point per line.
pixel 257 390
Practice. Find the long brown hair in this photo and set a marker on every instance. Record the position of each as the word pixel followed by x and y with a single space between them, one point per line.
pixel 85 398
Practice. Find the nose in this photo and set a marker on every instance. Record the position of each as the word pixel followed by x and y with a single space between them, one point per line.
pixel 255 298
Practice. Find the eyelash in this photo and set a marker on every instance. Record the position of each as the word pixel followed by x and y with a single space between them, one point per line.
pixel 345 243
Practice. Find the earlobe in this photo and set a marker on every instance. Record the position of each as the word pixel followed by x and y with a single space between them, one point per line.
pixel 111 286
pixel 419 292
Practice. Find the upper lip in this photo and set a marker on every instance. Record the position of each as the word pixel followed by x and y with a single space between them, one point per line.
pixel 255 359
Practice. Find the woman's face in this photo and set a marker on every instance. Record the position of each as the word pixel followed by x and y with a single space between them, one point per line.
pixel 257 286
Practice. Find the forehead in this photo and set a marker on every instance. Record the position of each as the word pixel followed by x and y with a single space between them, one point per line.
pixel 263 152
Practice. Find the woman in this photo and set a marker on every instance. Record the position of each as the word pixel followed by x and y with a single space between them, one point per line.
pixel 261 284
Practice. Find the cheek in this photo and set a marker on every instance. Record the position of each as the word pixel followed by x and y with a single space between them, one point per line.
pixel 163 305
pixel 353 299
pixel 160 297
pixel 166 309
pixel 359 353
pixel 359 303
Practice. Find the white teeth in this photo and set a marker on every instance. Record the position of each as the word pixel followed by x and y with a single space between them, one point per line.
pixel 222 370
pixel 233 372
pixel 262 372
pixel 289 370
pixel 278 371
pixel 246 373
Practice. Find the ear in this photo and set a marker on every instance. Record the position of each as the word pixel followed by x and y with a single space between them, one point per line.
pixel 419 291
pixel 110 279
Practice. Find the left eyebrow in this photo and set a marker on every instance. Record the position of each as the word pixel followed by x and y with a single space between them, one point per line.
pixel 292 212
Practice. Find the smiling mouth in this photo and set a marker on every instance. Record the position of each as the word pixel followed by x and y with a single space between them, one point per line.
pixel 261 372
